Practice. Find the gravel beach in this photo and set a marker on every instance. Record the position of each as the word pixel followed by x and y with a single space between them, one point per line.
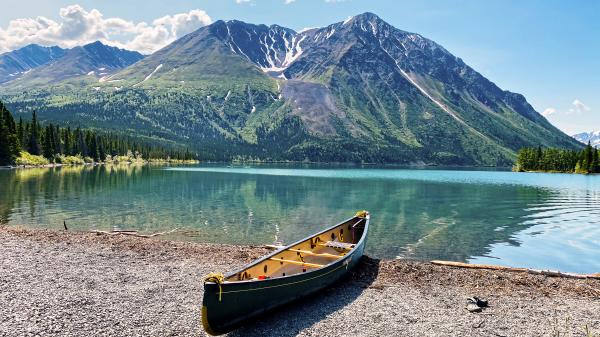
pixel 81 284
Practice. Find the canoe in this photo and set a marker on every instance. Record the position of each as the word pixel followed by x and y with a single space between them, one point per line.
pixel 283 276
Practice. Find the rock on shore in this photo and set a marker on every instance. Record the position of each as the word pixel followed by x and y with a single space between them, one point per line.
pixel 81 284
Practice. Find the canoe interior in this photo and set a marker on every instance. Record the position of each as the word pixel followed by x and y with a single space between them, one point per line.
pixel 312 253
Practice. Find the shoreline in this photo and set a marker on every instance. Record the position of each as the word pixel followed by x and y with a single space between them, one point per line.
pixel 234 162
pixel 80 283
pixel 557 172
pixel 145 162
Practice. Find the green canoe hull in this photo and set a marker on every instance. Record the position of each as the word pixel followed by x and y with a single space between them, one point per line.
pixel 227 306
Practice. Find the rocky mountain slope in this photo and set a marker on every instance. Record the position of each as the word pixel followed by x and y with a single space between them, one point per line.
pixel 593 137
pixel 15 63
pixel 358 90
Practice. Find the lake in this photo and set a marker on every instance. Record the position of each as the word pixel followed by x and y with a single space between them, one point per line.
pixel 534 220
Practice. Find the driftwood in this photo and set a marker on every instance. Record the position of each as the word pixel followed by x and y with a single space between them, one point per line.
pixel 65 225
pixel 133 233
pixel 512 269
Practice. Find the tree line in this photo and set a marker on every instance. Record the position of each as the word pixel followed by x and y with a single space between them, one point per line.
pixel 52 141
pixel 558 160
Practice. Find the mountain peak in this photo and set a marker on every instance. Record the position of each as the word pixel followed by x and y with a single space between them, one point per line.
pixel 363 18
pixel 95 43
pixel 367 16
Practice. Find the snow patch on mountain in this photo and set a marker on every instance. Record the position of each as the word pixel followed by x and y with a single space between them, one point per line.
pixel 152 73
pixel 593 137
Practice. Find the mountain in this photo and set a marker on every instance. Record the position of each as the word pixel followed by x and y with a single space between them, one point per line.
pixel 78 65
pixel 357 90
pixel 15 63
pixel 593 137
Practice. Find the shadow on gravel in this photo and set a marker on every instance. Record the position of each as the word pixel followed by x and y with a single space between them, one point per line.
pixel 292 318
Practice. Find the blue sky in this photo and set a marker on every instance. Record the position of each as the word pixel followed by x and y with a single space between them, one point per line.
pixel 547 50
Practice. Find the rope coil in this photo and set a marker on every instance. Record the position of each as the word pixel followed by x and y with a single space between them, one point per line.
pixel 217 278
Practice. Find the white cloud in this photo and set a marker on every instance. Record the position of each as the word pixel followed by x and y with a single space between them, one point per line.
pixel 548 112
pixel 579 106
pixel 78 26
pixel 287 2
pixel 241 1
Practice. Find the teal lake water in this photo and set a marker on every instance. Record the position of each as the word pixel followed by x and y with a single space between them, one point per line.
pixel 535 220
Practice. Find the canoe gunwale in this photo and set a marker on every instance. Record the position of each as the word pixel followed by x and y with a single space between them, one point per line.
pixel 268 256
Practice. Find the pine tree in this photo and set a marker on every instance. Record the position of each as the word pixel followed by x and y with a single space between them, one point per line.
pixel 595 165
pixel 93 147
pixel 57 140
pixel 5 157
pixel 48 144
pixel 80 145
pixel 538 159
pixel 9 143
pixel 33 145
pixel 67 142
pixel 101 149
pixel 20 132
pixel 586 158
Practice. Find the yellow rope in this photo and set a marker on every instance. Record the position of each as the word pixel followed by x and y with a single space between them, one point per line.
pixel 361 214
pixel 217 278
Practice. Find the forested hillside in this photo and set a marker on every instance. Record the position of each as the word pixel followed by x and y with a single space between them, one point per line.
pixel 559 160
pixel 29 142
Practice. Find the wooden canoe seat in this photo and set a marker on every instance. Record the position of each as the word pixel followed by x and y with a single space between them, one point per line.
pixel 308 252
pixel 300 263
pixel 338 245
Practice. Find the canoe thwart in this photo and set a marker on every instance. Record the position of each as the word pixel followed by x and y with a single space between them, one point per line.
pixel 300 263
pixel 308 252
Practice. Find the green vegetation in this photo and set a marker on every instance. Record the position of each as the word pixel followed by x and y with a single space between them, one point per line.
pixel 558 160
pixel 30 143
pixel 27 159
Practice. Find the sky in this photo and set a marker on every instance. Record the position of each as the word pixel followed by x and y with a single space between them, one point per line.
pixel 547 50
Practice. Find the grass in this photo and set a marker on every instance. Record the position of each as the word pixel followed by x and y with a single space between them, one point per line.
pixel 588 332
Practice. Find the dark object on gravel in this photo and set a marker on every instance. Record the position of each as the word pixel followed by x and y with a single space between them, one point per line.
pixel 480 301
pixel 476 304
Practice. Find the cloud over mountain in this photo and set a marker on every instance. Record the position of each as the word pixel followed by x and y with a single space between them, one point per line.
pixel 78 26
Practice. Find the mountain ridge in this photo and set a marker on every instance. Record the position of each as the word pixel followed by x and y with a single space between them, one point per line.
pixel 592 137
pixel 14 63
pixel 92 59
pixel 355 90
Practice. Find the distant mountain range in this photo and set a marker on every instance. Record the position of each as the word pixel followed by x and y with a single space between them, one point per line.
pixel 35 65
pixel 16 63
pixel 357 90
pixel 592 137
